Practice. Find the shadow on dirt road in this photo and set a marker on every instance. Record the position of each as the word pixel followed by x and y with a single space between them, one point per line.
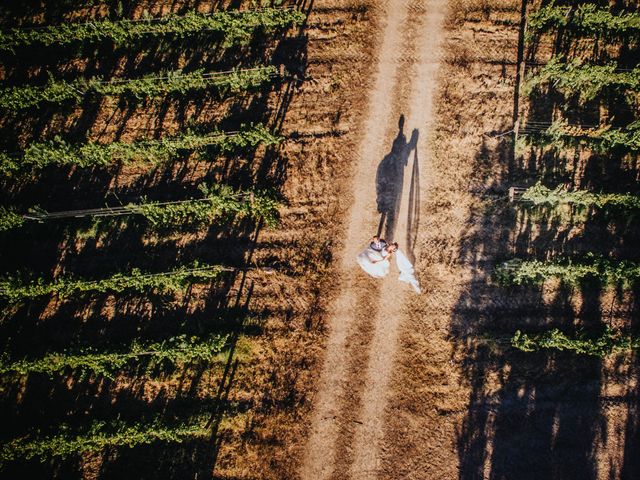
pixel 390 183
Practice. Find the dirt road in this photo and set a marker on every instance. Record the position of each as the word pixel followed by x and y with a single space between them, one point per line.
pixel 347 438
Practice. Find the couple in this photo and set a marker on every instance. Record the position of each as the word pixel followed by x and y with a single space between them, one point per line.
pixel 375 261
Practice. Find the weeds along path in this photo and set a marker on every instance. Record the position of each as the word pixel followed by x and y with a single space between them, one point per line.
pixel 346 439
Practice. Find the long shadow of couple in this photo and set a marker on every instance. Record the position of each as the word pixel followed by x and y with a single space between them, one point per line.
pixel 389 186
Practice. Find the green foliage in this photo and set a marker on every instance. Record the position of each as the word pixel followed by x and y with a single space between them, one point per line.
pixel 235 27
pixel 585 81
pixel 585 20
pixel 614 138
pixel 219 200
pixel 183 83
pixel 9 219
pixel 546 18
pixel 534 272
pixel 59 152
pixel 99 436
pixel 561 135
pixel 606 344
pixel 13 289
pixel 176 82
pixel 541 196
pixel 18 98
pixel 264 206
pixel 175 351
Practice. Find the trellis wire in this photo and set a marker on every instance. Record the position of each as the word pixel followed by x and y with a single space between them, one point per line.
pixel 532 65
pixel 114 211
pixel 540 127
pixel 167 77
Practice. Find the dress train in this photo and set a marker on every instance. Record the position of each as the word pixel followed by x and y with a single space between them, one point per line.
pixel 407 273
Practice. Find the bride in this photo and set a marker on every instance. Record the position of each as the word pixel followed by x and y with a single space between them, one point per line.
pixel 375 258
pixel 375 261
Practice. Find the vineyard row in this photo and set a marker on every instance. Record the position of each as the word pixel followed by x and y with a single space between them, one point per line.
pixel 586 19
pixel 608 343
pixel 99 436
pixel 218 202
pixel 560 134
pixel 58 152
pixel 535 272
pixel 175 82
pixel 585 81
pixel 235 27
pixel 539 195
pixel 13 289
pixel 175 351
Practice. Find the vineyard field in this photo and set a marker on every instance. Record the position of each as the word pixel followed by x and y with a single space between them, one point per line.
pixel 311 240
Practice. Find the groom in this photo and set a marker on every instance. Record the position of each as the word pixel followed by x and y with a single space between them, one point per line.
pixel 377 243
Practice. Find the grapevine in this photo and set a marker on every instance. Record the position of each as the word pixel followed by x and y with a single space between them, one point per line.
pixel 12 289
pixel 534 272
pixel 175 82
pixel 234 26
pixel 587 81
pixel 609 342
pixel 10 219
pixel 175 351
pixel 539 195
pixel 585 20
pixel 219 201
pixel 98 436
pixel 561 135
pixel 58 152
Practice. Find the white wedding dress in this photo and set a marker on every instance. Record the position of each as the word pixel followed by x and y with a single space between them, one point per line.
pixel 376 264
pixel 406 271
